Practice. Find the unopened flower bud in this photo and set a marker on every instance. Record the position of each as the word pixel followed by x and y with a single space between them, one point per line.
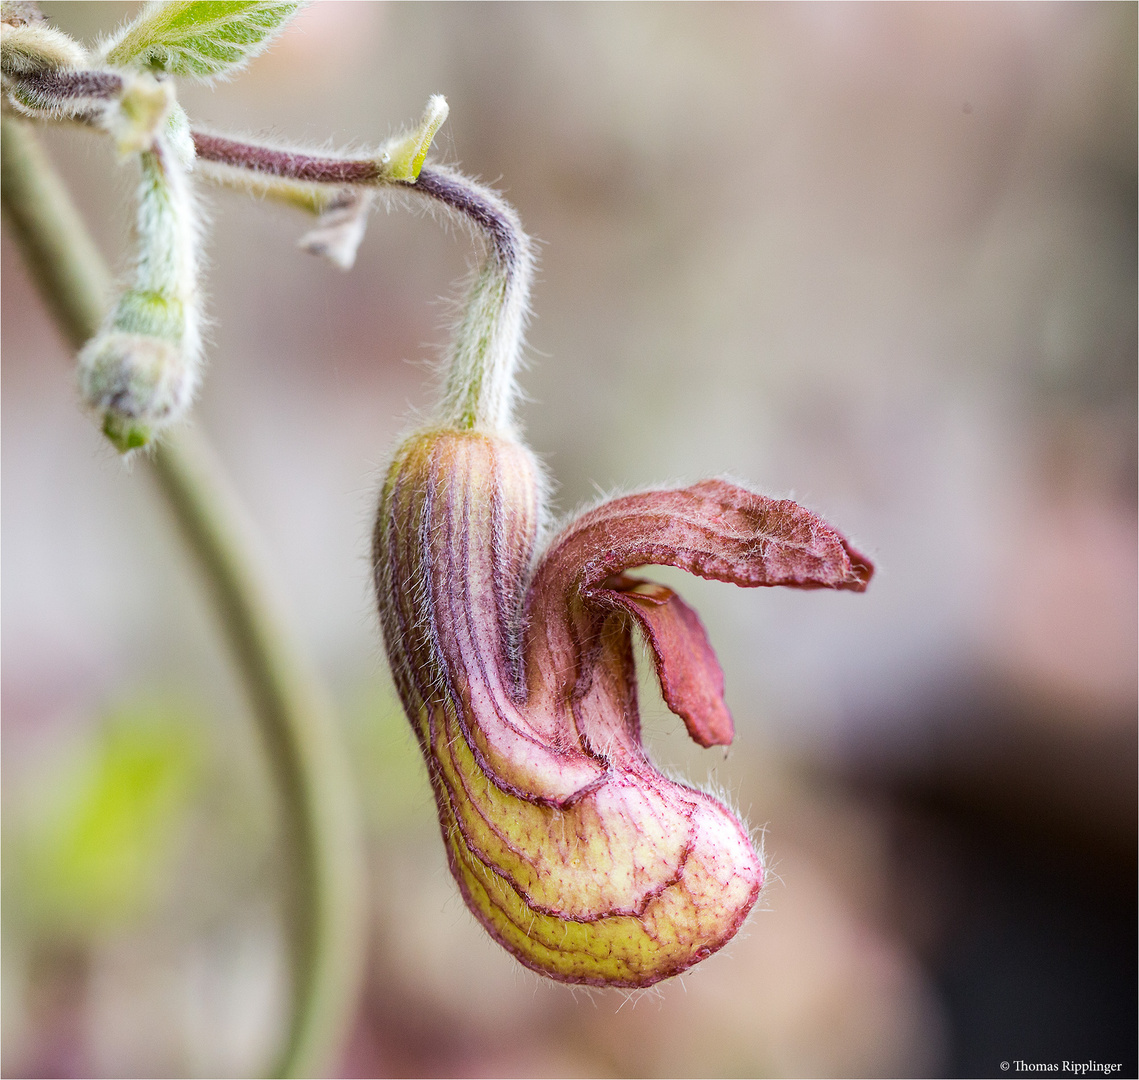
pixel 137 382
pixel 140 372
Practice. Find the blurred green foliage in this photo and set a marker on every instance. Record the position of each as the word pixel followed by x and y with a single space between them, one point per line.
pixel 391 777
pixel 96 830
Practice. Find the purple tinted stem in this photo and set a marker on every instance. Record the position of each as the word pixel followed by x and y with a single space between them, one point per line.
pixel 286 164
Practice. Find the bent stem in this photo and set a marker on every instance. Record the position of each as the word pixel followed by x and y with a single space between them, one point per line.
pixel 486 348
pixel 320 832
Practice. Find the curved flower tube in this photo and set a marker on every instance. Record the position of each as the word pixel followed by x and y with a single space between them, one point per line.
pixel 572 850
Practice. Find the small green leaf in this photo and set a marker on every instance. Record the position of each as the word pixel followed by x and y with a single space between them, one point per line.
pixel 199 39
pixel 402 157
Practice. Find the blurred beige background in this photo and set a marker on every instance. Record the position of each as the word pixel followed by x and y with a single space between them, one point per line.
pixel 881 259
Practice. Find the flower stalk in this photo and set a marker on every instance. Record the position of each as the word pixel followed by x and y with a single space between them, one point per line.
pixel 320 831
pixel 487 347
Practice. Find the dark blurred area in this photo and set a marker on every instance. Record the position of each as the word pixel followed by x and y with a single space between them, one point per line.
pixel 877 258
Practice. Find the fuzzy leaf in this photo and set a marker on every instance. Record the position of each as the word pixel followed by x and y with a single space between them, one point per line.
pixel 200 39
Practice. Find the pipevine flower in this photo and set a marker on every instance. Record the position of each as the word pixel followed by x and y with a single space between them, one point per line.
pixel 516 667
pixel 517 674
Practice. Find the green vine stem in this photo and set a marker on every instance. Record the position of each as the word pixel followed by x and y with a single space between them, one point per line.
pixel 307 761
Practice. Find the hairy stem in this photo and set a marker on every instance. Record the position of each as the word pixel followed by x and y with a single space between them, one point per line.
pixel 284 164
pixel 487 347
pixel 307 761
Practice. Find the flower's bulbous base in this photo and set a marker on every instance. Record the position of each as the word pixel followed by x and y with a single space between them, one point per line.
pixel 575 853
